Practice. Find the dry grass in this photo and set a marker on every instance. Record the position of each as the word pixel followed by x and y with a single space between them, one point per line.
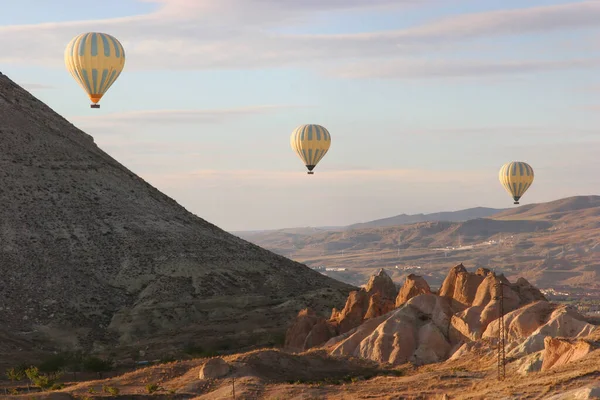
pixel 265 374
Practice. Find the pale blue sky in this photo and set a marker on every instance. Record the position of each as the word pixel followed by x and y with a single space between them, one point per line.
pixel 425 100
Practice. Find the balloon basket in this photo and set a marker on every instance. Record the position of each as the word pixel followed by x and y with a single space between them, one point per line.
pixel 310 173
pixel 94 105
pixel 516 202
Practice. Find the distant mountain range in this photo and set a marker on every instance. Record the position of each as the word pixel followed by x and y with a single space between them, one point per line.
pixel 402 219
pixel 554 243
pixel 449 216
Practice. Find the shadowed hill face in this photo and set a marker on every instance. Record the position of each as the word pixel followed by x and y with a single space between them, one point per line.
pixel 89 251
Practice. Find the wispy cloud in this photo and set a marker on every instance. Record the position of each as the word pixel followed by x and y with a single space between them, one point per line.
pixel 170 117
pixel 282 178
pixel 462 69
pixel 235 34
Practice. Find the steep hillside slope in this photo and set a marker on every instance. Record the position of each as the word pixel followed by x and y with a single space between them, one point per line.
pixel 91 254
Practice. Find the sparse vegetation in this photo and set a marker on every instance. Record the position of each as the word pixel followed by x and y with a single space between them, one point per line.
pixel 110 390
pixel 42 381
pixel 16 373
pixel 152 388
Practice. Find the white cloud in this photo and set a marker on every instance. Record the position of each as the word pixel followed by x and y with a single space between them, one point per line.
pixel 235 34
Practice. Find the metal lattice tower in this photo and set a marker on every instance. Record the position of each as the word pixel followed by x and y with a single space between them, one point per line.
pixel 501 331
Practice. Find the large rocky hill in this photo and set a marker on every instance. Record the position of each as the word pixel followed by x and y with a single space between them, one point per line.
pixel 554 244
pixel 92 255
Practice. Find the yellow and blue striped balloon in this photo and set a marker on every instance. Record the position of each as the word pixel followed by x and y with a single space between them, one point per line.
pixel 516 177
pixel 95 60
pixel 311 143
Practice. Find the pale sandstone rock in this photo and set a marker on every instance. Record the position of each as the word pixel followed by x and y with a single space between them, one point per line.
pixel 214 368
pixel 383 285
pixel 530 363
pixel 591 392
pixel 414 285
pixel 559 352
pixel 564 321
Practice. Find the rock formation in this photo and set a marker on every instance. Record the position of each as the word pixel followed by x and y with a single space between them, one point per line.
pixel 414 285
pixel 427 328
pixel 214 368
pixel 91 255
pixel 377 298
pixel 559 352
pixel 528 327
pixel 415 332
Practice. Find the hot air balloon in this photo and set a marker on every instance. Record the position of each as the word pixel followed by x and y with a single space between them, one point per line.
pixel 95 60
pixel 516 177
pixel 311 143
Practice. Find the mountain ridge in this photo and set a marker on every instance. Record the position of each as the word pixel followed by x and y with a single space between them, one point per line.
pixel 458 215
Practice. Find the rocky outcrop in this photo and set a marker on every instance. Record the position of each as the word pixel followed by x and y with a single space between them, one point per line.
pixel 416 332
pixel 378 306
pixel 561 351
pixel 308 330
pixel 352 315
pixel 460 286
pixel 470 323
pixel 528 327
pixel 590 392
pixel 214 368
pixel 376 299
pixel 428 328
pixel 383 285
pixel 414 285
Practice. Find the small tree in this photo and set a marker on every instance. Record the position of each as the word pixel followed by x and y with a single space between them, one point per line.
pixel 16 374
pixel 54 364
pixel 98 365
pixel 75 363
pixel 41 380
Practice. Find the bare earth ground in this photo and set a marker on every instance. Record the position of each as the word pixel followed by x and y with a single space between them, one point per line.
pixel 271 374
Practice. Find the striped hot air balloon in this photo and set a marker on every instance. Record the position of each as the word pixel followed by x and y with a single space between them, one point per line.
pixel 95 60
pixel 311 143
pixel 516 177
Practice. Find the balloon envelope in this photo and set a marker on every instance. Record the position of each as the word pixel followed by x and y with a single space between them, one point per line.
pixel 311 143
pixel 516 177
pixel 95 60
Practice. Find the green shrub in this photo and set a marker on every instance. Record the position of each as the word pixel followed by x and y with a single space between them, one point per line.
pixel 15 373
pixel 110 390
pixel 42 381
pixel 152 387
